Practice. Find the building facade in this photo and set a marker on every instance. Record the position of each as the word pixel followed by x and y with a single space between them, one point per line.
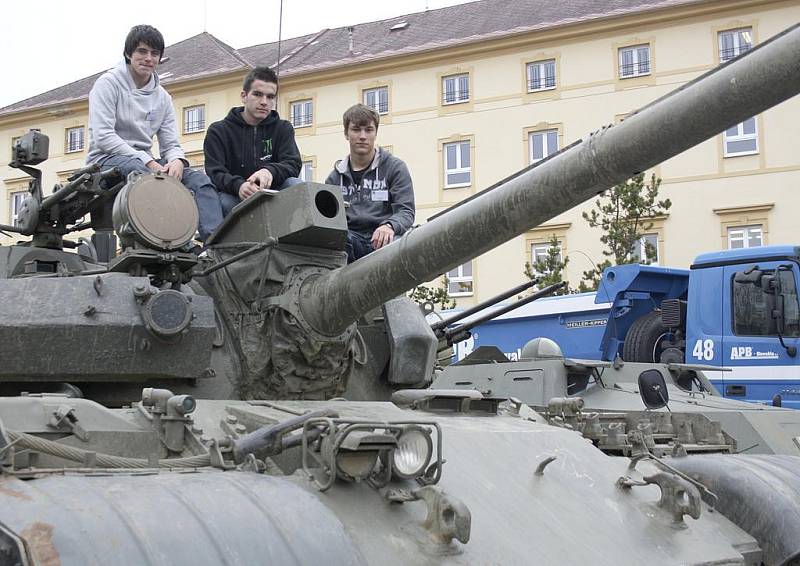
pixel 469 105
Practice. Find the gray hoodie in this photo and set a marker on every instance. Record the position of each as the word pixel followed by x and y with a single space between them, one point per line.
pixel 385 195
pixel 123 119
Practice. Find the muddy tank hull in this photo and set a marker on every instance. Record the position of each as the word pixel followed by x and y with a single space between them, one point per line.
pixel 496 470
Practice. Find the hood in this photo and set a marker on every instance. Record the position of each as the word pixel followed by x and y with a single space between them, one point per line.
pixel 381 155
pixel 235 117
pixel 123 77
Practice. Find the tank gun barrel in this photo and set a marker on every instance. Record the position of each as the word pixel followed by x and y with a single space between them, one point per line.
pixel 727 95
pixel 440 325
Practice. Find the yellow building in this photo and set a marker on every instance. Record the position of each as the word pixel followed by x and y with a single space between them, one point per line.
pixel 472 93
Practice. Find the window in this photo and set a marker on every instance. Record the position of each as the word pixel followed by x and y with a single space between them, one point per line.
pixel 745 237
pixel 301 113
pixel 194 119
pixel 741 139
pixel 16 204
pixel 455 89
pixel 307 171
pixel 540 254
pixel 734 42
pixel 752 307
pixel 541 75
pixel 634 61
pixel 457 166
pixel 74 139
pixel 377 99
pixel 459 280
pixel 542 144
pixel 646 250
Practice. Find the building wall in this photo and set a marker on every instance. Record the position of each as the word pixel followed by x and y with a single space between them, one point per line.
pixel 709 192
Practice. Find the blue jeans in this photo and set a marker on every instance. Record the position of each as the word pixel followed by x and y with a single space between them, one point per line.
pixel 198 183
pixel 229 201
pixel 357 246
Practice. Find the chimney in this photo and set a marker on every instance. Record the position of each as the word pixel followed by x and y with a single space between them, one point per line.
pixel 350 39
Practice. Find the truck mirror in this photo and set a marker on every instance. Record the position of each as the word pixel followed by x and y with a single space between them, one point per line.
pixel 770 283
pixel 653 389
pixel 752 276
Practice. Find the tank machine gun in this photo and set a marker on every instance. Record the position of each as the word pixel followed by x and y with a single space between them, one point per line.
pixel 274 312
pixel 451 330
pixel 48 219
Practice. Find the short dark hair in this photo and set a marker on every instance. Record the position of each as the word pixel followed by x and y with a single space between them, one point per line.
pixel 259 74
pixel 360 115
pixel 143 33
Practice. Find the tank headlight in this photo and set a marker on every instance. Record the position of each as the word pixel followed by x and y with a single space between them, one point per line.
pixel 356 465
pixel 413 452
pixel 357 451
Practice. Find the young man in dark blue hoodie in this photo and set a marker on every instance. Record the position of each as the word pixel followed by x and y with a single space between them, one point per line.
pixel 375 183
pixel 252 148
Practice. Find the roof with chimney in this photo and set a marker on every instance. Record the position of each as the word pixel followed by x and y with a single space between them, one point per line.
pixel 203 55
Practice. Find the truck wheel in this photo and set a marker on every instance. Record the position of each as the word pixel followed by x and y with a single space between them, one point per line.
pixel 642 344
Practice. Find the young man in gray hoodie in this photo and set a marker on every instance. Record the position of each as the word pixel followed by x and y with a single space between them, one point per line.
pixel 127 107
pixel 375 183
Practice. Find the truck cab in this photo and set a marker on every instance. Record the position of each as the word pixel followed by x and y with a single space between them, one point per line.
pixel 743 314
pixel 736 310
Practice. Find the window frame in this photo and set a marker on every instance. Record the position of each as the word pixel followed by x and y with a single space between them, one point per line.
pixel 541 65
pixel 186 121
pixel 641 249
pixel 544 247
pixel 461 278
pixel 309 102
pixel 460 168
pixel 739 318
pixel 376 90
pixel 740 136
pixel 545 144
pixel 67 146
pixel 636 63
pixel 737 48
pixel 746 235
pixel 309 163
pixel 457 91
pixel 13 206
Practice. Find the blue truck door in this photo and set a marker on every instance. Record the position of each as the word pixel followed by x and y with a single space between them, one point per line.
pixel 762 367
pixel 704 322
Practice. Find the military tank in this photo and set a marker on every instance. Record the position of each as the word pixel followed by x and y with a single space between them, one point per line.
pixel 164 408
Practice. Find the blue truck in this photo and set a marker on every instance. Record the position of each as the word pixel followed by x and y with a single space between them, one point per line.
pixel 732 309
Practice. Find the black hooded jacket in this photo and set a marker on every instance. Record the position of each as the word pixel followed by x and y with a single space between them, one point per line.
pixel 234 150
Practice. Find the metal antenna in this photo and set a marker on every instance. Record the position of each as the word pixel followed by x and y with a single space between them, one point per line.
pixel 280 30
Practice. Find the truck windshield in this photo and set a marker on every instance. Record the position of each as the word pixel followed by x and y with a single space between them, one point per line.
pixel 751 309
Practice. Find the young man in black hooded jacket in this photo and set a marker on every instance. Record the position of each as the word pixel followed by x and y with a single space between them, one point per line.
pixel 252 148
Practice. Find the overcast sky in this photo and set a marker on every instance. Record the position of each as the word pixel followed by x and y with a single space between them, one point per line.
pixel 61 41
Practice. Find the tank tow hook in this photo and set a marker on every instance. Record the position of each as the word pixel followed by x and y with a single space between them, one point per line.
pixel 448 517
pixel 678 496
pixel 64 418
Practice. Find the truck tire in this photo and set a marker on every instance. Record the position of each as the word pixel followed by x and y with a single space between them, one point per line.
pixel 641 342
